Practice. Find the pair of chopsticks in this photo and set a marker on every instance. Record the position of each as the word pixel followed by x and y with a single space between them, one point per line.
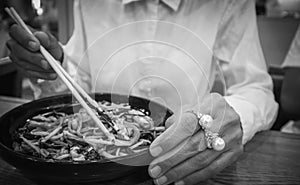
pixel 75 88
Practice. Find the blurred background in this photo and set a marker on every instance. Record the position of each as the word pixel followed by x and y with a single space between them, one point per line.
pixel 277 20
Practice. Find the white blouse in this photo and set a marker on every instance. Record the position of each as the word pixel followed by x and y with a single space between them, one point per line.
pixel 171 51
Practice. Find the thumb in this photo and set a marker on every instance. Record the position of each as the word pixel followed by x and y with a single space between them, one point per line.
pixel 183 128
pixel 50 43
pixel 170 121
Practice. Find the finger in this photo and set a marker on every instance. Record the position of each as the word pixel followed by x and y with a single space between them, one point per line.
pixel 31 67
pixel 215 167
pixel 40 75
pixel 170 121
pixel 217 107
pixel 50 43
pixel 185 126
pixel 188 166
pixel 214 105
pixel 33 59
pixel 35 74
pixel 189 148
pixel 27 40
pixel 43 38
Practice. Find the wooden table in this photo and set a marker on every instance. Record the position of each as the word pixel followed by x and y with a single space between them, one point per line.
pixel 270 157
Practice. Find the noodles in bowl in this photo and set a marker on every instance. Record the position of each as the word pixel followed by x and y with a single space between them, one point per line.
pixel 67 147
pixel 57 136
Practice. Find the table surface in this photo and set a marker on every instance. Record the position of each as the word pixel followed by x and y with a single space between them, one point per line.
pixel 271 157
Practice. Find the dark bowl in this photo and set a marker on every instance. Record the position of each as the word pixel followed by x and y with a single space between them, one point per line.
pixel 70 172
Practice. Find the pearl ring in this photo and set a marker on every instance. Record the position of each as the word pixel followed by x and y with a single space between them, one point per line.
pixel 212 138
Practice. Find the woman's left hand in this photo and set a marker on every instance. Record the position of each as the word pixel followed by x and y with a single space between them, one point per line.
pixel 181 152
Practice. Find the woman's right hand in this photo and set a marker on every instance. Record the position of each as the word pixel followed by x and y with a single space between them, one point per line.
pixel 25 52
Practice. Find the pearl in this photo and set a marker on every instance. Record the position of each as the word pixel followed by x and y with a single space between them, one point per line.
pixel 206 121
pixel 218 144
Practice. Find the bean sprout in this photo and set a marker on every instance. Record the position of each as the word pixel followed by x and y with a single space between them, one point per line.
pixel 57 136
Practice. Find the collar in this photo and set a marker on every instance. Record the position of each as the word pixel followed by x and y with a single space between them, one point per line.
pixel 174 4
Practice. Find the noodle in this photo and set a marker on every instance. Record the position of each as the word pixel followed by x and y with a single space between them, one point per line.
pixel 57 136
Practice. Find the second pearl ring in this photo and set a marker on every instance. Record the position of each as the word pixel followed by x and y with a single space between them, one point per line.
pixel 212 138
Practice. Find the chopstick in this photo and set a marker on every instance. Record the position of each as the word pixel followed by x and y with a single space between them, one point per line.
pixel 75 88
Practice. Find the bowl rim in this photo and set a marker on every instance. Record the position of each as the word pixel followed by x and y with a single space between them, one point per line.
pixel 101 161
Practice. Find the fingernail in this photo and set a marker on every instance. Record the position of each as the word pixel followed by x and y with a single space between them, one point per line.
pixel 155 151
pixel 155 171
pixel 32 44
pixel 179 183
pixel 161 180
pixel 53 75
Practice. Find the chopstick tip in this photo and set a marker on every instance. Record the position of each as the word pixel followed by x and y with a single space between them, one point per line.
pixel 7 9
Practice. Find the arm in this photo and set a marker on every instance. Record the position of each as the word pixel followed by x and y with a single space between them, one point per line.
pixel 182 154
pixel 24 52
pixel 249 87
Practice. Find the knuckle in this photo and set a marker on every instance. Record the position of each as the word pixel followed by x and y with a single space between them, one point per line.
pixel 24 41
pixel 201 162
pixel 165 165
pixel 190 122
pixel 43 38
pixel 194 144
pixel 197 142
pixel 174 174
pixel 36 58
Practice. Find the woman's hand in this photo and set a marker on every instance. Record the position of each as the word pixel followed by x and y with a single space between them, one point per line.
pixel 181 152
pixel 25 52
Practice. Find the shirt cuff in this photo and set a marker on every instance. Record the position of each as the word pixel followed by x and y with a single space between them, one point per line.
pixel 250 117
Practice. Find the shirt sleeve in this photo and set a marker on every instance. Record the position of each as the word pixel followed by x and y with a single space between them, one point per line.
pixel 293 57
pixel 249 87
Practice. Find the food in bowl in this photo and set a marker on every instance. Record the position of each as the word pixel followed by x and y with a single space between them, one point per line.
pixel 59 136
